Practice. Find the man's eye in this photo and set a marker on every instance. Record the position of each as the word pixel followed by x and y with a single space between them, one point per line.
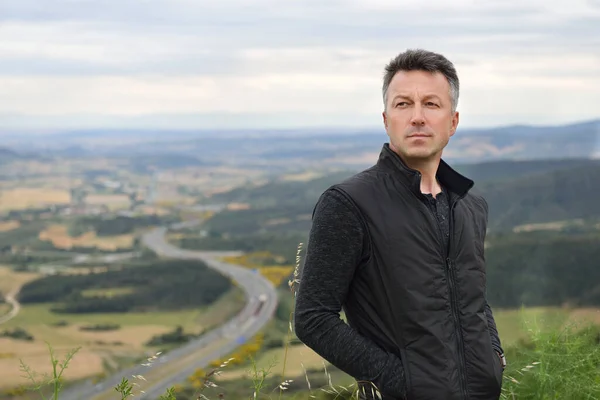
pixel 401 104
pixel 431 104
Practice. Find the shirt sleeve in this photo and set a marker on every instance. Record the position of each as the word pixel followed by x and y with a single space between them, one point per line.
pixel 335 248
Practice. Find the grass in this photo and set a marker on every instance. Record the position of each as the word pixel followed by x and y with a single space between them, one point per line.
pixel 299 357
pixel 513 325
pixel 4 308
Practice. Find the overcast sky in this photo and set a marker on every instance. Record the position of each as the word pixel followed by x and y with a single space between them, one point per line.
pixel 267 63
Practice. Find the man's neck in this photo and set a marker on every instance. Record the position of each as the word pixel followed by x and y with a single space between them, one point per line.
pixel 428 170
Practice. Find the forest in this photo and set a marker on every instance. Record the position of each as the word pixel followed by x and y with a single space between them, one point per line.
pixel 161 285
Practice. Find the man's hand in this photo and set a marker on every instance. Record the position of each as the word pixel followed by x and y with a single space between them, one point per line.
pixel 502 359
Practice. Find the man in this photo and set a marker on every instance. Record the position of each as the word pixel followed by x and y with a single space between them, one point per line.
pixel 400 247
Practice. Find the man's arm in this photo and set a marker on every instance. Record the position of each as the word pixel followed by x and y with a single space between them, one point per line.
pixel 334 251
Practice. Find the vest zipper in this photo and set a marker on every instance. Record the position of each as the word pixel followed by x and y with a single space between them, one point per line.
pixel 450 276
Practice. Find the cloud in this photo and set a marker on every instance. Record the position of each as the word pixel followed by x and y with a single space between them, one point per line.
pixel 305 58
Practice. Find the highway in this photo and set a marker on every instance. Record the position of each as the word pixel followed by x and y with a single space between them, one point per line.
pixel 175 366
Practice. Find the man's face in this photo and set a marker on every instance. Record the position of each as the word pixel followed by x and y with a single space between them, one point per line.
pixel 418 117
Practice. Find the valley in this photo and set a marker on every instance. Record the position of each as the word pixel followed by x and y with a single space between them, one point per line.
pixel 72 254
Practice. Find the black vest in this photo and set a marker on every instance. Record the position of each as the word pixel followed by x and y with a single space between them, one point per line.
pixel 413 296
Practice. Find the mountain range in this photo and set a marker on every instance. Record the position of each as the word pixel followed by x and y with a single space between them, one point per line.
pixel 292 149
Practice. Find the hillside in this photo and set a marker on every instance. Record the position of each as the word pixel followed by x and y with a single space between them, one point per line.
pixel 7 156
pixel 510 169
pixel 560 194
pixel 543 269
pixel 518 192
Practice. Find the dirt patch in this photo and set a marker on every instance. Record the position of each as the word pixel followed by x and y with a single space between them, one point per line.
pixel 130 336
pixel 59 236
pixel 106 199
pixel 37 357
pixel 9 225
pixel 23 198
pixel 11 280
pixel 238 206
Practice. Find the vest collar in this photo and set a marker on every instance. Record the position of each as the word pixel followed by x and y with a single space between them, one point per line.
pixel 448 177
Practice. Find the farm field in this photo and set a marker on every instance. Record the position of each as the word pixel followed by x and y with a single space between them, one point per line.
pixel 100 349
pixel 22 198
pixel 59 236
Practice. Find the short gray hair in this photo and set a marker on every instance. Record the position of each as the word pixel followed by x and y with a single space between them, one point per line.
pixel 422 60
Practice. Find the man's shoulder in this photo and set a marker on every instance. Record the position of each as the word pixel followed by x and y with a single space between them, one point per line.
pixel 360 181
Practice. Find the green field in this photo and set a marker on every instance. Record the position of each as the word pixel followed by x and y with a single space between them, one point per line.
pixel 40 314
pixel 4 308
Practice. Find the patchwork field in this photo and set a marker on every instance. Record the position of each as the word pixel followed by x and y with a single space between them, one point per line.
pixel 60 238
pixel 99 348
pixel 23 198
pixel 112 201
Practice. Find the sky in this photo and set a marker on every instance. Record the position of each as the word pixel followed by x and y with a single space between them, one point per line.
pixel 194 64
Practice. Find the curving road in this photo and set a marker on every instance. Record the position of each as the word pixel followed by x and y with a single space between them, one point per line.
pixel 175 366
pixel 11 299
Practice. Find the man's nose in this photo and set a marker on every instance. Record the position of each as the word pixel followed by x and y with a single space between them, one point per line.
pixel 418 119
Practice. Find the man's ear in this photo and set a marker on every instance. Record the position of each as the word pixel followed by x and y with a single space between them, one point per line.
pixel 384 115
pixel 455 119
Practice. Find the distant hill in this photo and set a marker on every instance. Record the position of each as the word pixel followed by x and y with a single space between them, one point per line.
pixel 511 169
pixel 543 269
pixel 145 163
pixel 7 155
pixel 282 148
pixel 553 195
pixel 518 192
pixel 279 206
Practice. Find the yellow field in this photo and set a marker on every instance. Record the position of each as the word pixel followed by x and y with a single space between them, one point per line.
pixel 23 198
pixel 35 355
pixel 9 225
pixel 107 199
pixel 110 292
pixel 59 236
pixel 10 280
pixel 274 273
